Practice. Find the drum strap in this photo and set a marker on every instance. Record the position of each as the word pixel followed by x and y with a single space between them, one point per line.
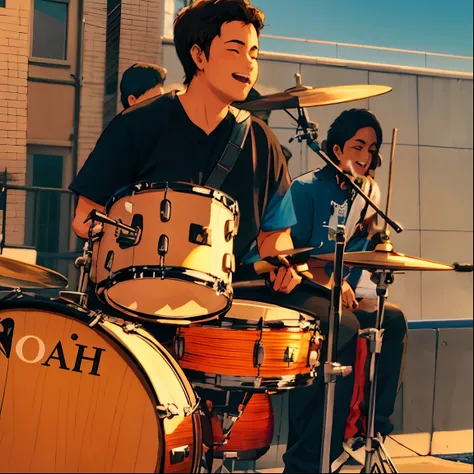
pixel 231 151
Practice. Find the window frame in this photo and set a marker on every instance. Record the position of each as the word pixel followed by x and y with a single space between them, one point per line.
pixel 65 63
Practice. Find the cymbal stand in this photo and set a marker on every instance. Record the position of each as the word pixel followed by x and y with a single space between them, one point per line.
pixel 377 458
pixel 80 296
pixel 308 131
pixel 332 369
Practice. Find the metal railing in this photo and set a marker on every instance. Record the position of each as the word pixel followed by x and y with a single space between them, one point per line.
pixel 379 54
pixel 47 217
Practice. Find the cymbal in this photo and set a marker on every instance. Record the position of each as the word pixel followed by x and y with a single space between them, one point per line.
pixel 387 260
pixel 303 96
pixel 16 274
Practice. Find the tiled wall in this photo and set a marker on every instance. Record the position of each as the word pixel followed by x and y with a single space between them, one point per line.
pixel 433 168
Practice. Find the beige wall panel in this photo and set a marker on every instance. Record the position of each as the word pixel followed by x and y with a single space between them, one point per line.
pixel 445 109
pixel 174 79
pixel 50 111
pixel 295 163
pixel 406 289
pixel 446 189
pixel 397 109
pixel 447 295
pixel 405 207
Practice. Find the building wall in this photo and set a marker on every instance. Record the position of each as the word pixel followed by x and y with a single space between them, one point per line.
pixel 433 165
pixel 140 34
pixel 92 92
pixel 14 29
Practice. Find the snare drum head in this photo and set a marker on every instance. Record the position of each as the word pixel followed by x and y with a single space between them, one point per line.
pixel 251 311
pixel 71 399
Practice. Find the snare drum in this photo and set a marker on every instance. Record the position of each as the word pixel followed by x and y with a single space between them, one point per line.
pixel 81 392
pixel 256 347
pixel 178 268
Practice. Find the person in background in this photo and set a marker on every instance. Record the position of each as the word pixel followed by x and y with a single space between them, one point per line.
pixel 141 82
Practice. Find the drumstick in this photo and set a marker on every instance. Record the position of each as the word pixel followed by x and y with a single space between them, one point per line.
pixel 262 267
pixel 390 170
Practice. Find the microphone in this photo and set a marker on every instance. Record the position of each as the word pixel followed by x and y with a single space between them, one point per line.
pixel 463 267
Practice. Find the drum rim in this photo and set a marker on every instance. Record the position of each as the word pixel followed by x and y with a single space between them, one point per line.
pixel 179 186
pixel 88 316
pixel 246 383
pixel 191 276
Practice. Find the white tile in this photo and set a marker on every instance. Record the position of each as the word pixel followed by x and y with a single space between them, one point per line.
pixel 405 208
pixel 446 189
pixel 447 295
pixel 397 109
pixel 295 163
pixel 405 291
pixel 445 112
pixel 319 76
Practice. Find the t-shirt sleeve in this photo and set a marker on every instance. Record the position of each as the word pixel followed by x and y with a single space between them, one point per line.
pixel 279 212
pixel 111 164
pixel 302 230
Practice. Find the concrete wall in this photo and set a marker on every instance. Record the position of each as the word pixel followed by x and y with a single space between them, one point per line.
pixel 433 167
pixel 14 28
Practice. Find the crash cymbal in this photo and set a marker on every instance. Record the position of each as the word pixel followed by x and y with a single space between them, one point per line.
pixel 16 274
pixel 303 96
pixel 386 258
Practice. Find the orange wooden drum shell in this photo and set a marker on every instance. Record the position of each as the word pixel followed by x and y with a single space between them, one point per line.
pixel 230 351
pixel 253 431
pixel 55 418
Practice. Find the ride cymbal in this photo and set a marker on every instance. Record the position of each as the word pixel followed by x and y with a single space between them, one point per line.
pixel 16 274
pixel 303 96
pixel 387 260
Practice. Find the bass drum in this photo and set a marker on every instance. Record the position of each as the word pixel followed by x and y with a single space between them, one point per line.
pixel 83 392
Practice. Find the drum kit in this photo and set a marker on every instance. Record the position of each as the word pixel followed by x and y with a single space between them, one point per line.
pixel 94 390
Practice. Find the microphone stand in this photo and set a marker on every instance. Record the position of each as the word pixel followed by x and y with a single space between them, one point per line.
pixel 332 369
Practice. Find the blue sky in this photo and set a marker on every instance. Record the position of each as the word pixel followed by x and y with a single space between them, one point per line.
pixel 425 25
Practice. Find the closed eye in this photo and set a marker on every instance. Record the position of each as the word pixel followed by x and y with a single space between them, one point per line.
pixel 234 50
pixel 358 148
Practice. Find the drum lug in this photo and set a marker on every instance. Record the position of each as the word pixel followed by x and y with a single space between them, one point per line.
pixel 289 355
pixel 200 235
pixel 179 454
pixel 178 347
pixel 257 382
pixel 229 230
pixel 258 354
pixel 165 210
pixel 170 410
pixel 229 263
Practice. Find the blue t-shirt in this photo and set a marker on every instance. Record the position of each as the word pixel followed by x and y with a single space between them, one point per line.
pixel 319 201
pixel 279 214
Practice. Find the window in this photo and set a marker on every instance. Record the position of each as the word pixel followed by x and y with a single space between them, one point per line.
pixel 50 29
pixel 2 3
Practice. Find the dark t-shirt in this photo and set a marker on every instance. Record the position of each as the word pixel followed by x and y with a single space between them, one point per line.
pixel 156 141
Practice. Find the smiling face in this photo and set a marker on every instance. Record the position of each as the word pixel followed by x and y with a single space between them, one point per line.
pixel 358 151
pixel 231 68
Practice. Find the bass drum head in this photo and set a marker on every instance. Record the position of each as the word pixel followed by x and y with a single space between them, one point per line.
pixel 71 399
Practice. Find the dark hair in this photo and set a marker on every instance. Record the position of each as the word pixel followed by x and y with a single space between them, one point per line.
pixel 199 23
pixel 140 78
pixel 346 126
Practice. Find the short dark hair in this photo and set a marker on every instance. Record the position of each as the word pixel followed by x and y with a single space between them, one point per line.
pixel 346 126
pixel 201 22
pixel 140 78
